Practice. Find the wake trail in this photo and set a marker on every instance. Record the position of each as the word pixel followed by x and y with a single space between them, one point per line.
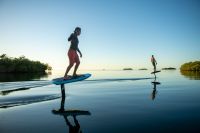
pixel 6 86
pixel 9 86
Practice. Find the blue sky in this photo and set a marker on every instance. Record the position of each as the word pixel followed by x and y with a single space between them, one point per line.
pixel 115 33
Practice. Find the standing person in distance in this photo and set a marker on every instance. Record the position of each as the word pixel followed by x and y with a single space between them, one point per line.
pixel 154 62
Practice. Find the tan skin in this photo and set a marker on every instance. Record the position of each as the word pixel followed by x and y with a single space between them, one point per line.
pixel 71 64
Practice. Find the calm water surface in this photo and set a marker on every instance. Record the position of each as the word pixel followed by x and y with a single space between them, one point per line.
pixel 108 102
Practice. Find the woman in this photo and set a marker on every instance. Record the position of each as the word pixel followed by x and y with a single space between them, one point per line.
pixel 154 62
pixel 72 53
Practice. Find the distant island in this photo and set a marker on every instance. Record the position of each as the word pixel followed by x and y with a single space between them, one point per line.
pixel 127 69
pixel 191 66
pixel 143 69
pixel 21 65
pixel 169 68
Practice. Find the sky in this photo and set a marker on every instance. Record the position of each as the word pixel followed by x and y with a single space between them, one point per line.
pixel 115 33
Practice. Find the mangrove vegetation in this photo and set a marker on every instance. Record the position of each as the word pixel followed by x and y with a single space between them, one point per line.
pixel 191 66
pixel 21 65
pixel 191 70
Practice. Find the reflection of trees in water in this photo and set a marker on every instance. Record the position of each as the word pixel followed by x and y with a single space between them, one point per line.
pixel 8 77
pixel 191 74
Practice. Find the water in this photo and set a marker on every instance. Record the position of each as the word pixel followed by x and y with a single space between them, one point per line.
pixel 108 102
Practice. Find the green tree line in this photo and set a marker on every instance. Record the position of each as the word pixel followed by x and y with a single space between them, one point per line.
pixel 21 64
pixel 191 66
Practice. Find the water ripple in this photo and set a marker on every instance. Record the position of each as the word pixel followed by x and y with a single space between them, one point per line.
pixel 6 86
pixel 7 102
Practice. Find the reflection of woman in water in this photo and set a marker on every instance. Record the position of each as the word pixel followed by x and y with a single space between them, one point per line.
pixel 75 128
pixel 154 92
pixel 72 129
pixel 67 113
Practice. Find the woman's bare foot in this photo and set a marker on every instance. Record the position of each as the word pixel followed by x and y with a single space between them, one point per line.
pixel 67 77
pixel 76 75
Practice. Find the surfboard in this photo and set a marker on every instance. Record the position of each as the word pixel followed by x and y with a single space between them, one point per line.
pixel 71 112
pixel 155 72
pixel 154 82
pixel 59 81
